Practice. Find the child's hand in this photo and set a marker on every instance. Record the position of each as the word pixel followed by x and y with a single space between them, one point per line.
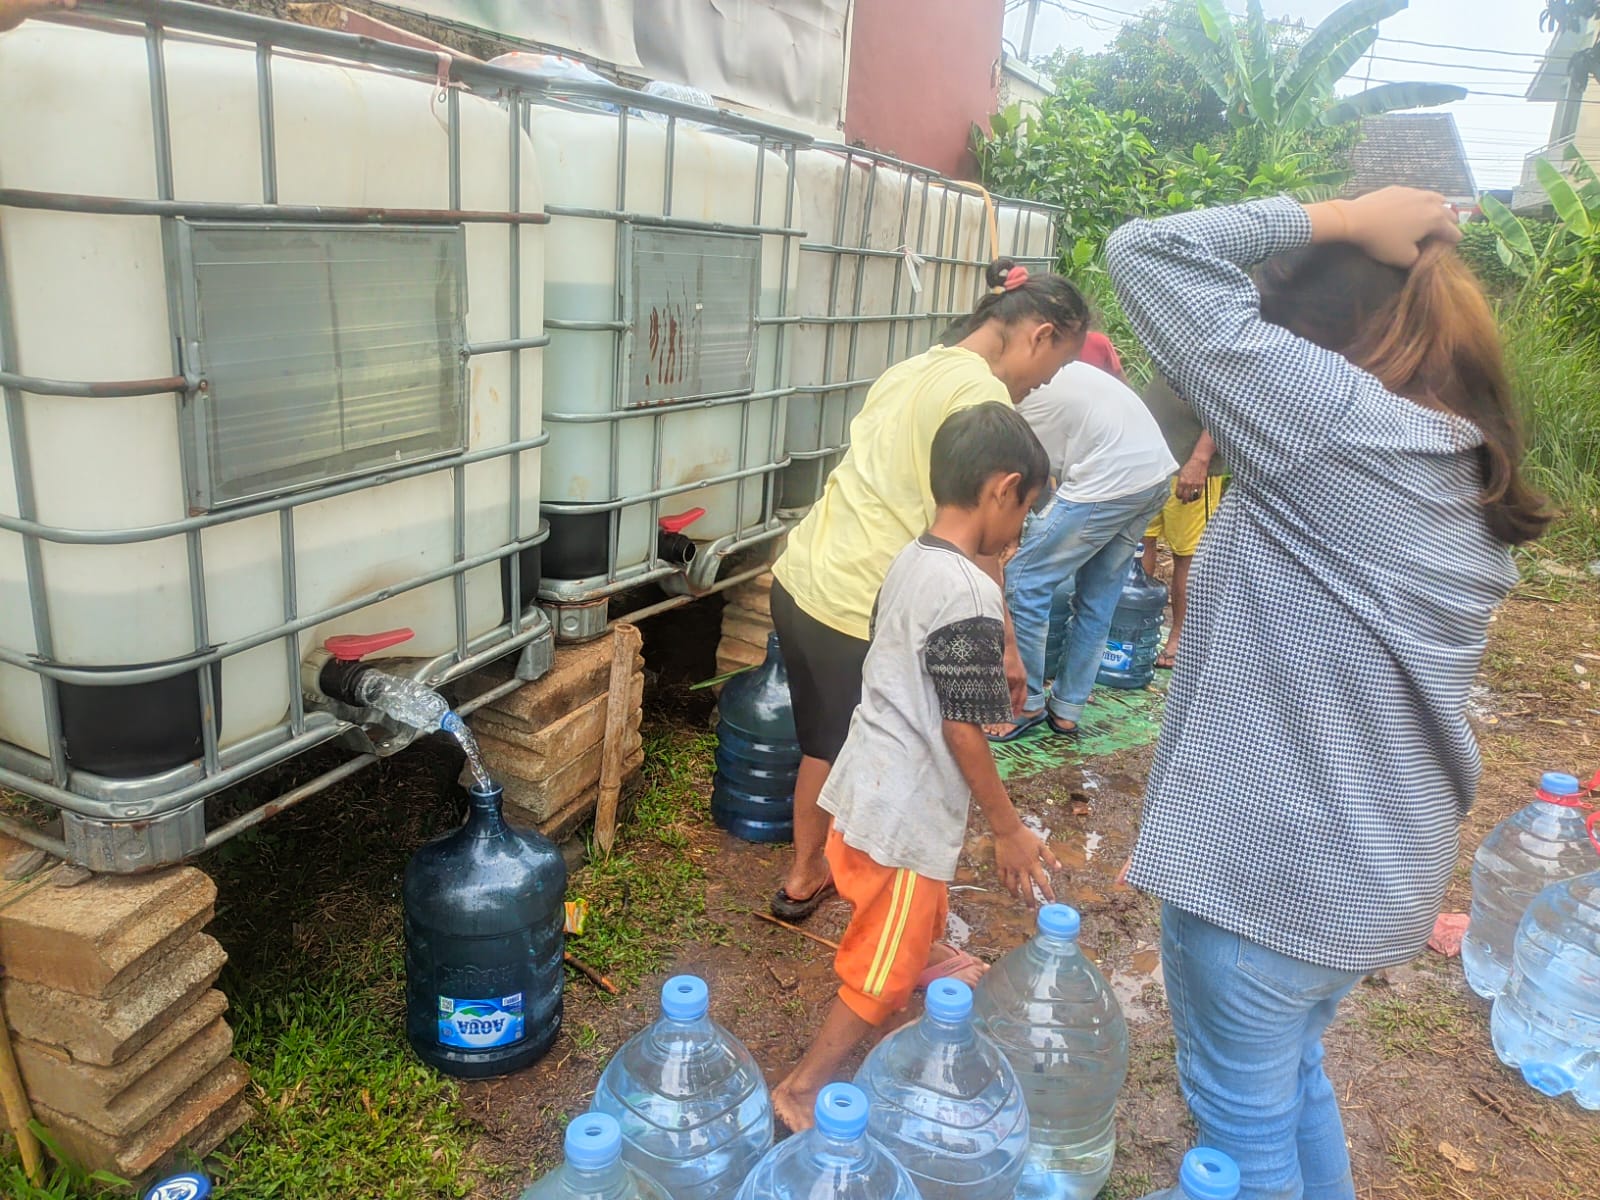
pixel 1021 858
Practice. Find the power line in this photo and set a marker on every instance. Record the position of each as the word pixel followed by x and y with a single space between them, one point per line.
pixel 1126 15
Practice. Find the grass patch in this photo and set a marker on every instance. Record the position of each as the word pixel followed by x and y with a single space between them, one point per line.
pixel 345 1109
pixel 1429 1020
pixel 1128 1185
pixel 1557 383
pixel 61 1179
pixel 648 896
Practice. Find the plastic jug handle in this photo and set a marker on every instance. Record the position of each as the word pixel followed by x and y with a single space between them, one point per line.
pixel 353 647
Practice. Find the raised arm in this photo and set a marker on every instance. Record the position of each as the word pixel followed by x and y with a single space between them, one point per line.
pixel 1269 398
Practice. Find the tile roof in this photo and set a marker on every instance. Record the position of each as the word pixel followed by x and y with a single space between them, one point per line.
pixel 1414 149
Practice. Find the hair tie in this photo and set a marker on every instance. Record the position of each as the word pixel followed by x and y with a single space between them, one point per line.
pixel 1015 278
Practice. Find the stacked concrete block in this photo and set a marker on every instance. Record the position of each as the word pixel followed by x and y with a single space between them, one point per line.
pixel 118 1031
pixel 544 742
pixel 746 621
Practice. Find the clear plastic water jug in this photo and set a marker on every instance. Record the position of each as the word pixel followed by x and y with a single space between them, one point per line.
pixel 947 1104
pixel 1546 1022
pixel 1206 1174
pixel 758 753
pixel 1056 1020
pixel 693 1106
pixel 1531 849
pixel 833 1160
pixel 1135 638
pixel 594 1169
pixel 483 928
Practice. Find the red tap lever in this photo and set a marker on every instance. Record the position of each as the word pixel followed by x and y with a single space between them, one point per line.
pixel 353 647
pixel 678 522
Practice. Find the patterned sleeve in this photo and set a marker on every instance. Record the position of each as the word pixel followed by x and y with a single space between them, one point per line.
pixel 966 660
pixel 1269 398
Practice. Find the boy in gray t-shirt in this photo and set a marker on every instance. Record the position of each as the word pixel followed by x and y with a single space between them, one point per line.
pixel 916 755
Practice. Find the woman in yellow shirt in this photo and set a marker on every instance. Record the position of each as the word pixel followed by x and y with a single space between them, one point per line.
pixel 876 501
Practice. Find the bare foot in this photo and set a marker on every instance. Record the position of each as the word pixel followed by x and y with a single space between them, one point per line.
pixel 969 973
pixel 795 1110
pixel 801 888
pixel 1005 728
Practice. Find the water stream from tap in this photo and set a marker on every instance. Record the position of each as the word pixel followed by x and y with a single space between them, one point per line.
pixel 457 728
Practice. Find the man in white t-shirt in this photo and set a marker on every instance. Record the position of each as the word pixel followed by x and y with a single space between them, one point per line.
pixel 1115 471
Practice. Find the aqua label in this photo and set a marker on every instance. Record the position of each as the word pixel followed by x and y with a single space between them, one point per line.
pixel 180 1187
pixel 1118 656
pixel 481 1024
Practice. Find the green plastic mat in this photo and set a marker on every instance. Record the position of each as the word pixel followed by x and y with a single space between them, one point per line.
pixel 1115 720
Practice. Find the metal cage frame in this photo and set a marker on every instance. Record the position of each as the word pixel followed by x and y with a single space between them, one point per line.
pixel 125 825
pixel 847 243
pixel 700 575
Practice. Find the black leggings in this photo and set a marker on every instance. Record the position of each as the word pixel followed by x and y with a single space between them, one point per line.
pixel 824 668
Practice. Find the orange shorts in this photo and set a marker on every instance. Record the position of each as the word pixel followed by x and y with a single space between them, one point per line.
pixel 897 916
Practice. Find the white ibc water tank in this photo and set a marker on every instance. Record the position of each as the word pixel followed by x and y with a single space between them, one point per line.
pixel 329 351
pixel 893 254
pixel 863 294
pixel 663 393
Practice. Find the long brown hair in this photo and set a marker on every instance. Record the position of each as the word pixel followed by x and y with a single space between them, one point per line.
pixel 1427 334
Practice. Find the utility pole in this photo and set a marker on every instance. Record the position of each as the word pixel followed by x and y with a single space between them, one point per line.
pixel 1027 29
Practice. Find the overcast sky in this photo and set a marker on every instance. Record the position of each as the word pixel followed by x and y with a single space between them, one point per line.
pixel 1497 125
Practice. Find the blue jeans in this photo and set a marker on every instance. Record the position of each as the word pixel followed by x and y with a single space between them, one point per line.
pixel 1088 545
pixel 1249 1025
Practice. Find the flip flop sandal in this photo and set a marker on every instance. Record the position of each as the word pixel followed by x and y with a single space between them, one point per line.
pixel 786 908
pixel 1024 725
pixel 958 962
pixel 1060 730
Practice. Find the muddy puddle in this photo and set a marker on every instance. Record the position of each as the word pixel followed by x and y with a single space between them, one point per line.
pixel 1085 813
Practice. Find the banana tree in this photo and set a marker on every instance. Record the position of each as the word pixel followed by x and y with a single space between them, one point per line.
pixel 1274 98
pixel 1563 274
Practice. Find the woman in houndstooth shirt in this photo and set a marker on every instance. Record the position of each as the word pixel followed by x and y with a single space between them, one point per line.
pixel 1301 814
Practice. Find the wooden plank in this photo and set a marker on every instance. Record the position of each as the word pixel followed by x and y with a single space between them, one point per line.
pixel 19 1114
pixel 625 643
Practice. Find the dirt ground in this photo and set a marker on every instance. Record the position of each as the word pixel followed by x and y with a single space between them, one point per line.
pixel 1429 1110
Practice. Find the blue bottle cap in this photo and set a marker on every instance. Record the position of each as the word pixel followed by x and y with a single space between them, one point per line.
pixel 949 1000
pixel 842 1111
pixel 1208 1174
pixel 191 1186
pixel 593 1142
pixel 684 998
pixel 1558 783
pixel 1059 921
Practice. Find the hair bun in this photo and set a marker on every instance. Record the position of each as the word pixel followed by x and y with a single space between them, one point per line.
pixel 994 275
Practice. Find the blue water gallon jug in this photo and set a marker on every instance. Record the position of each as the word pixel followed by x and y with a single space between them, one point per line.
pixel 1546 1023
pixel 594 1169
pixel 1206 1174
pixel 483 928
pixel 1537 845
pixel 1135 637
pixel 947 1104
pixel 833 1160
pixel 758 754
pixel 694 1109
pixel 1055 1018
